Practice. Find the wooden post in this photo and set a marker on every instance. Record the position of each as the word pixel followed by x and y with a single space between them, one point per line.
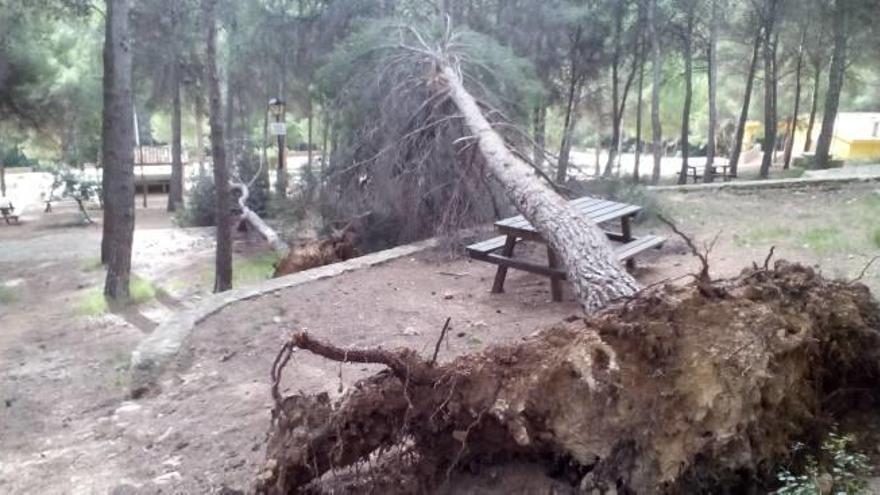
pixel 555 283
pixel 626 230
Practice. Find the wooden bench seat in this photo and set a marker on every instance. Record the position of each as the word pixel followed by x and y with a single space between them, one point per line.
pixel 8 214
pixel 485 251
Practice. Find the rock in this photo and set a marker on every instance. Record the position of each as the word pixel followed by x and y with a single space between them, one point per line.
pixel 167 478
pixel 125 489
pixel 411 332
pixel 448 295
pixel 127 408
pixel 172 461
pixel 276 319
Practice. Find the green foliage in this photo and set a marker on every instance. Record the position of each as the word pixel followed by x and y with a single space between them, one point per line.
pixel 200 200
pixel 824 239
pixel 252 270
pixel 836 468
pixel 8 295
pixel 875 238
pixel 93 303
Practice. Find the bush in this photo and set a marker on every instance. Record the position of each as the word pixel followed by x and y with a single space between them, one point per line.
pixel 200 201
pixel 835 468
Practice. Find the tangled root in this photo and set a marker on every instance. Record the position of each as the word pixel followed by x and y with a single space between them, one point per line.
pixel 664 392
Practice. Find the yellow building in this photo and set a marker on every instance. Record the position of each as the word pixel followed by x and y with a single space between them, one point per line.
pixel 856 135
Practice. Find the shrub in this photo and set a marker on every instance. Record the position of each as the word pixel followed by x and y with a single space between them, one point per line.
pixel 623 190
pixel 200 201
pixel 836 468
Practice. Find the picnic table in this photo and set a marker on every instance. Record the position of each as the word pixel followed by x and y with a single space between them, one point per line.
pixel 692 173
pixel 499 250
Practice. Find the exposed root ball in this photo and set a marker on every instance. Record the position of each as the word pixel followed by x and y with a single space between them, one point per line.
pixel 337 247
pixel 667 390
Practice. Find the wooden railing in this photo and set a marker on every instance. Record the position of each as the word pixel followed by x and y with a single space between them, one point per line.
pixel 155 155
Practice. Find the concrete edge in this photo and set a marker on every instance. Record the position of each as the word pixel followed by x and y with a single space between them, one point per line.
pixel 766 184
pixel 155 351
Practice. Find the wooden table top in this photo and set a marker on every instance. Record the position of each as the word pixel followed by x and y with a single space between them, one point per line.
pixel 597 210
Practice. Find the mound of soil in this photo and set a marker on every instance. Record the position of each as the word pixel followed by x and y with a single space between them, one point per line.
pixel 676 390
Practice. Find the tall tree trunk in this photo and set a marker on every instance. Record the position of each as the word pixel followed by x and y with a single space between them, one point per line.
pixel 117 148
pixel 200 134
pixel 639 119
pixel 539 123
pixel 619 10
pixel 814 104
pixel 657 77
pixel 570 110
pixel 310 118
pixel 175 190
pixel 688 96
pixel 264 153
pixel 835 84
pixel 769 90
pixel 2 179
pixel 792 123
pixel 223 259
pixel 744 112
pixel 708 171
pixel 590 263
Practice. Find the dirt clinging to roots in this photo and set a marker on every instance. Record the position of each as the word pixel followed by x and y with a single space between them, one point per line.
pixel 669 392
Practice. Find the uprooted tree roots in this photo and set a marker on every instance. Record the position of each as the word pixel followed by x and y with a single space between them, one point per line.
pixel 666 392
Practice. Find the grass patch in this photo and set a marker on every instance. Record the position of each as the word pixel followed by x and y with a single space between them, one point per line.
pixel 763 235
pixel 824 239
pixel 252 270
pixel 8 295
pixel 93 302
pixel 792 173
pixel 92 265
pixel 875 238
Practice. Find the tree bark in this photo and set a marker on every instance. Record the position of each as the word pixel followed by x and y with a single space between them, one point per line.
pixel 590 263
pixel 117 146
pixel 570 109
pixel 175 190
pixel 656 70
pixel 2 180
pixel 769 90
pixel 744 113
pixel 708 174
pixel 200 136
pixel 814 104
pixel 639 119
pixel 792 123
pixel 619 10
pixel 688 95
pixel 835 84
pixel 223 258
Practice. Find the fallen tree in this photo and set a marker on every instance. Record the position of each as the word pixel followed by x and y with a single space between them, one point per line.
pixel 670 392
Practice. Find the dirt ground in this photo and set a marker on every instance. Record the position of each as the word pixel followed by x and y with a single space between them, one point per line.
pixel 66 425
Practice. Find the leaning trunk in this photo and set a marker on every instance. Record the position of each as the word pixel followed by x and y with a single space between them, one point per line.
pixel 223 259
pixel 835 84
pixel 639 121
pixel 591 266
pixel 117 148
pixel 744 113
pixel 657 77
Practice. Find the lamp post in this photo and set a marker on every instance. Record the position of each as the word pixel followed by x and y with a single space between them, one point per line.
pixel 276 108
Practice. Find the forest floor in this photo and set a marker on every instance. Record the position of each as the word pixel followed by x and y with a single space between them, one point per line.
pixel 67 426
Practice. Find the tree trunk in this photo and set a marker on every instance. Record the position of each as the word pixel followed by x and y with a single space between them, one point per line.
pixel 175 190
pixel 657 75
pixel 619 10
pixel 708 174
pixel 309 138
pixel 591 266
pixel 117 147
pixel 200 135
pixel 835 84
pixel 769 91
pixel 223 259
pixel 814 104
pixel 688 95
pixel 264 151
pixel 2 179
pixel 744 113
pixel 540 131
pixel 792 123
pixel 639 119
pixel 570 109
